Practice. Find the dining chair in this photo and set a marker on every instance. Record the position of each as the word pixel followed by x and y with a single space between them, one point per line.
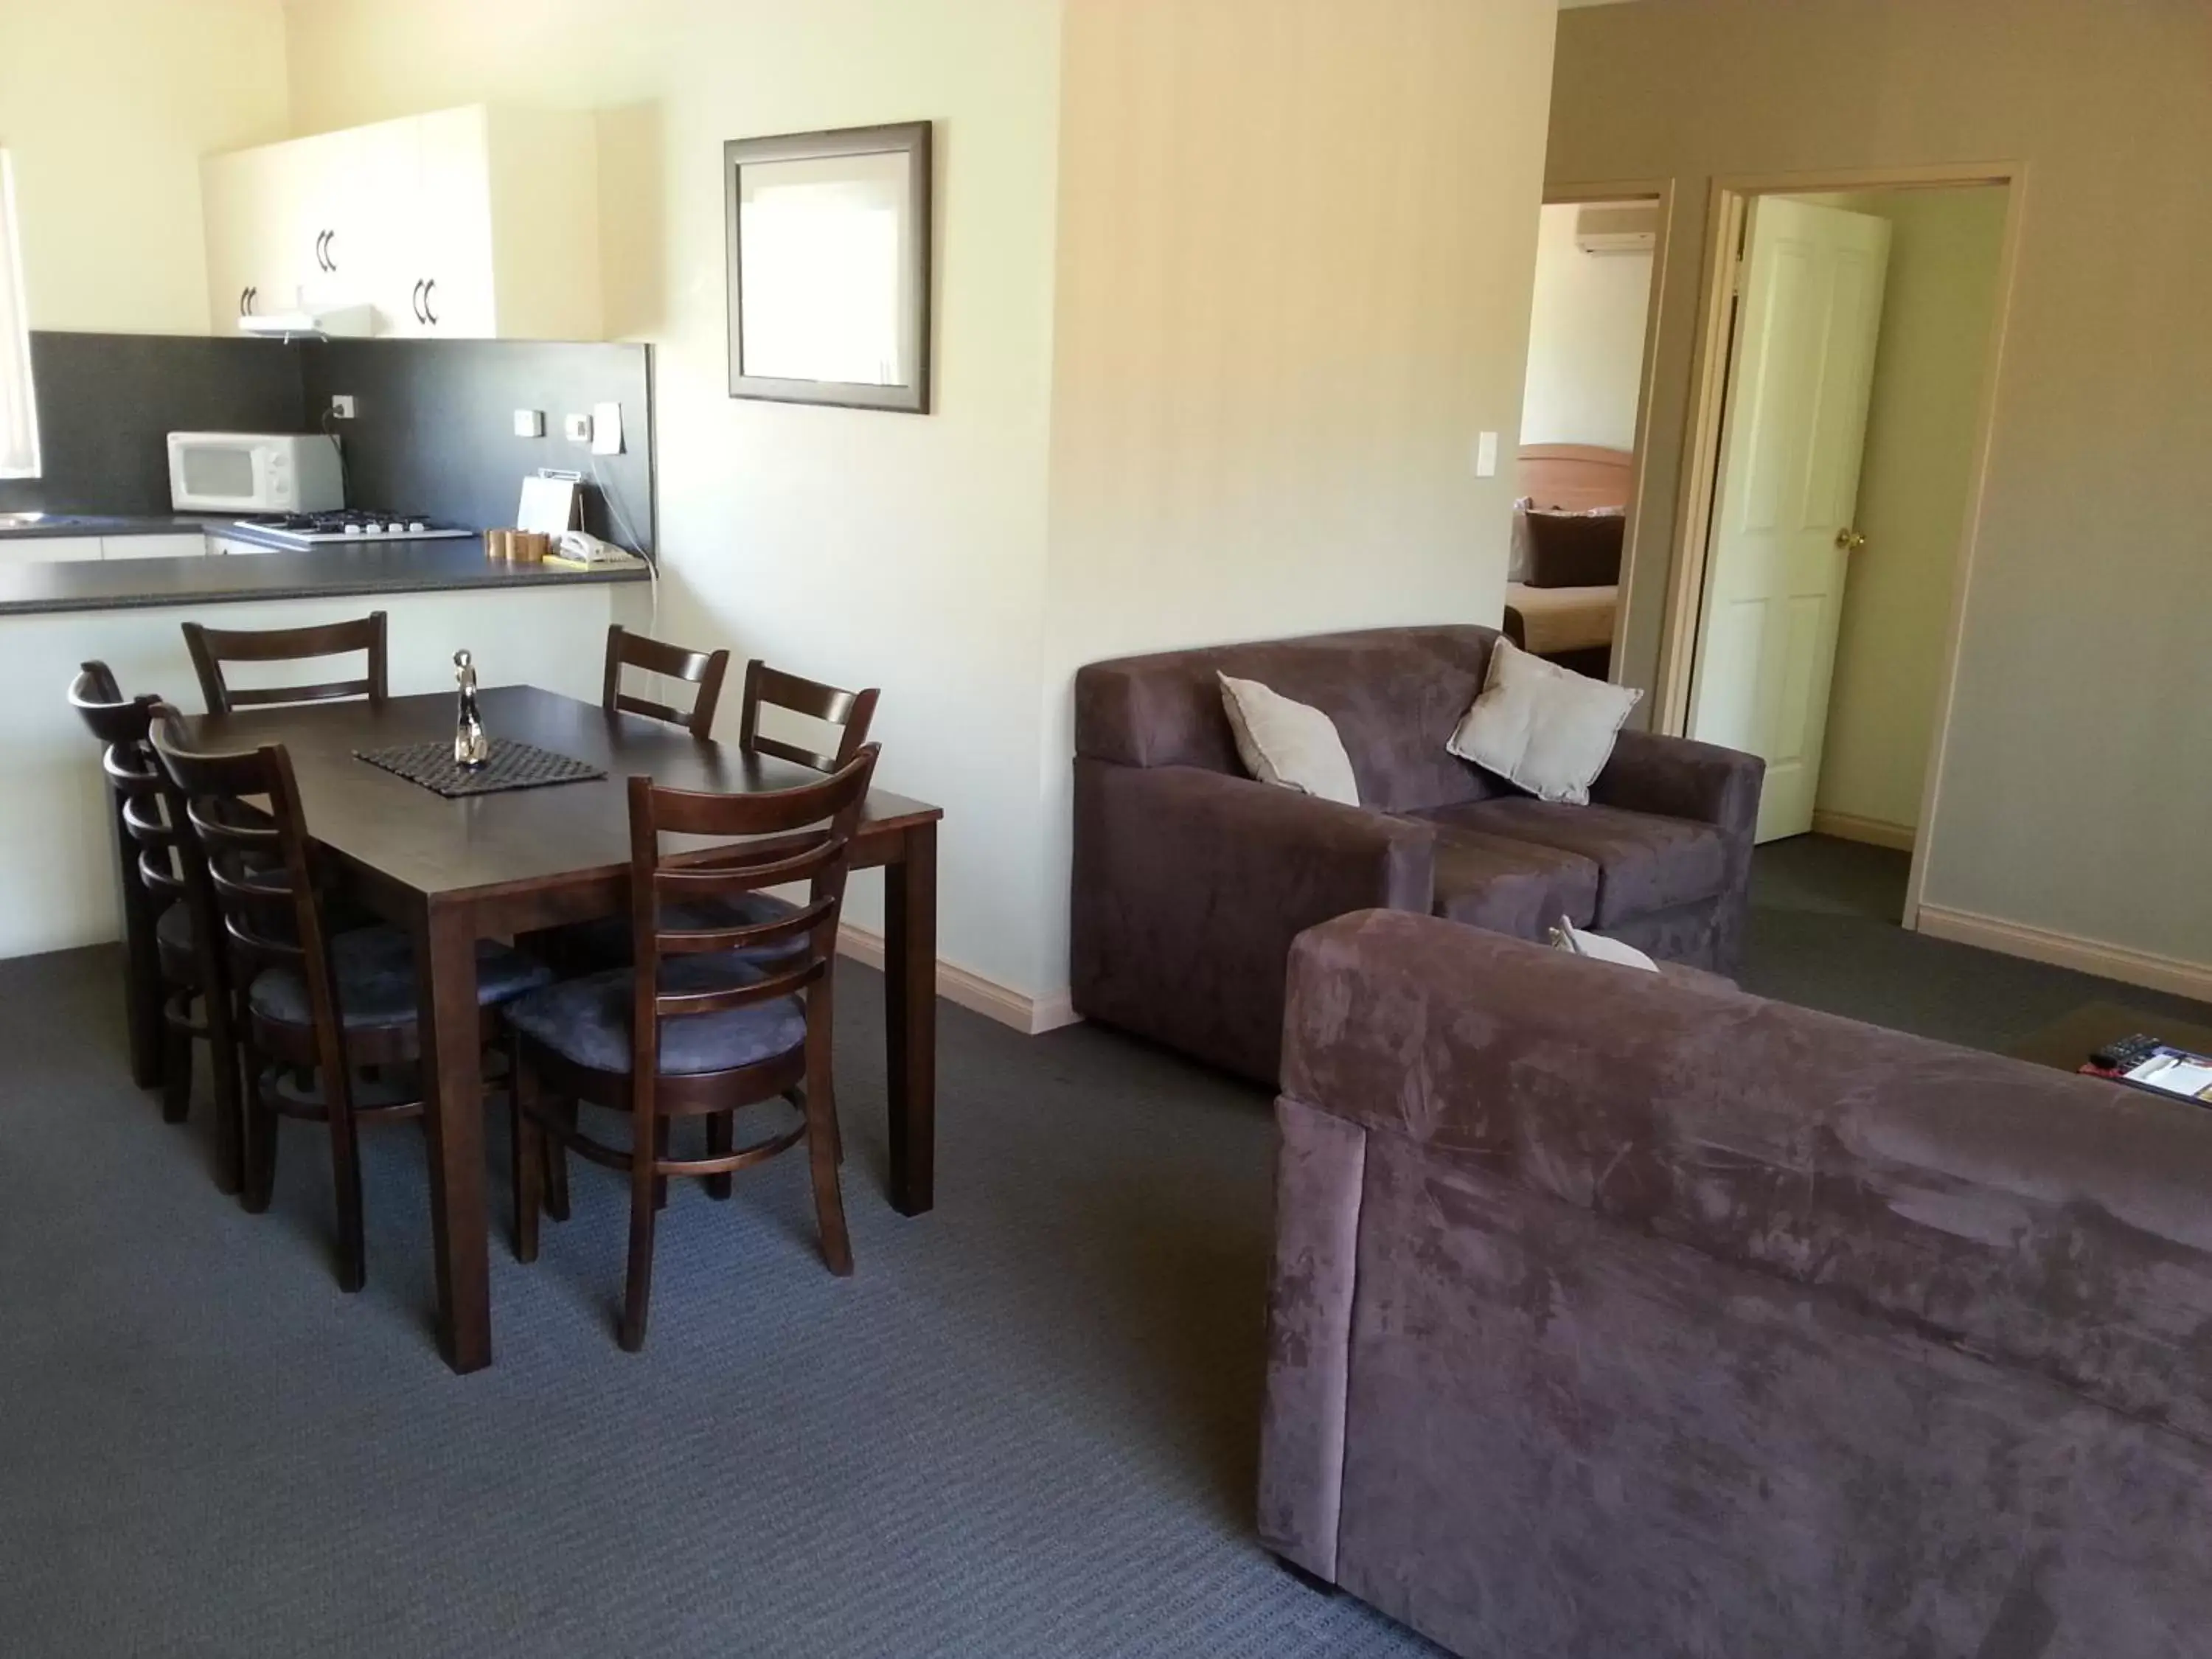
pixel 112 719
pixel 606 943
pixel 327 1022
pixel 211 647
pixel 698 1027
pixel 177 986
pixel 704 669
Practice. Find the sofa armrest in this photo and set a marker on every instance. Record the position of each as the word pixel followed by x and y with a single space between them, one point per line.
pixel 2026 1215
pixel 1682 778
pixel 1190 884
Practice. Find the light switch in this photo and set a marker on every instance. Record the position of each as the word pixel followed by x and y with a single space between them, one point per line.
pixel 606 429
pixel 529 422
pixel 1486 455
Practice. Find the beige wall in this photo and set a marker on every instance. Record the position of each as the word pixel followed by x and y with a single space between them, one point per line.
pixel 1945 251
pixel 858 548
pixel 1585 339
pixel 2078 772
pixel 1297 243
pixel 106 106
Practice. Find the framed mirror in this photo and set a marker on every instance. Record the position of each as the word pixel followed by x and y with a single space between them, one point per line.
pixel 829 267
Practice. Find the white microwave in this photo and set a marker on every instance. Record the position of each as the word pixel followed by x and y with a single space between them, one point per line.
pixel 255 473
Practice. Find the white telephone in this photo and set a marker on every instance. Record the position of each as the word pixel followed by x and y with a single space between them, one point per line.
pixel 583 548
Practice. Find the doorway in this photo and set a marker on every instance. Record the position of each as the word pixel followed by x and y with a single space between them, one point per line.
pixel 1838 446
pixel 1601 253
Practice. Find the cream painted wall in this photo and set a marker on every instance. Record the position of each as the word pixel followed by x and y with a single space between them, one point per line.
pixel 1297 247
pixel 1945 252
pixel 858 548
pixel 1585 339
pixel 106 106
pixel 2078 772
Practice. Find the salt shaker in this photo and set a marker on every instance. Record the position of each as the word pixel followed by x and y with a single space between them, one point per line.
pixel 470 747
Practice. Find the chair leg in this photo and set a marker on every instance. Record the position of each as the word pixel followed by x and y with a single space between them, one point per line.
pixel 229 1104
pixel 176 1072
pixel 345 1180
pixel 822 1157
pixel 556 1165
pixel 260 1139
pixel 528 1151
pixel 659 1151
pixel 637 1288
pixel 722 1138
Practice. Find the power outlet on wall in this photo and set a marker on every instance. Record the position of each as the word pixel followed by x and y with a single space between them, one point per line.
pixel 577 429
pixel 341 406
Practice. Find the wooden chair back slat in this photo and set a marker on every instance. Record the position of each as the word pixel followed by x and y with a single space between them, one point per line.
pixel 270 925
pixel 828 813
pixel 767 687
pixel 211 647
pixel 704 669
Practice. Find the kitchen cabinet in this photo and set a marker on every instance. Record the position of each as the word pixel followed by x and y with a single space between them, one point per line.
pixel 225 546
pixel 473 223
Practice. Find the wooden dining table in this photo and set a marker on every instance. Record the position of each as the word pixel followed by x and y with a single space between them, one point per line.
pixel 454 871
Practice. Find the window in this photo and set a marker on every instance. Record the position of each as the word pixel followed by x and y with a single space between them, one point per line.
pixel 19 413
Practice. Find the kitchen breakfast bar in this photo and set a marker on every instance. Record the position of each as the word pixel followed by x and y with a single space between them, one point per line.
pixel 525 624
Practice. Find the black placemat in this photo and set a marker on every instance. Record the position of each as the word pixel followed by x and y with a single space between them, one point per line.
pixel 511 765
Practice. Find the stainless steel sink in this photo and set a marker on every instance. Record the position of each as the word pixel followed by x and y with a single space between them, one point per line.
pixel 21 521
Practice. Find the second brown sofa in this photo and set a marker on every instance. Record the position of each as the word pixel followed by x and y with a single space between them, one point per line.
pixel 1191 879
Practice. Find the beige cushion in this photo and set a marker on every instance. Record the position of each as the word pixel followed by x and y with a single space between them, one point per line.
pixel 1287 743
pixel 1556 619
pixel 1544 727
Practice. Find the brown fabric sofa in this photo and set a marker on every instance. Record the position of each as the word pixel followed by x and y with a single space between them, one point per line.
pixel 1613 1315
pixel 1191 879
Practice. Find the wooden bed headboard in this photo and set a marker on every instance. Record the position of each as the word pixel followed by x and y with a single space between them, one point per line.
pixel 1575 477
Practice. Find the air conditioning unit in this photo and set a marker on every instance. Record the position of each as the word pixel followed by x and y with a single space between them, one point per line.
pixel 1629 228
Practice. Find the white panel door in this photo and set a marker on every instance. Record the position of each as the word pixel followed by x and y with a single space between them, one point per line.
pixel 259 244
pixel 451 289
pixel 1801 370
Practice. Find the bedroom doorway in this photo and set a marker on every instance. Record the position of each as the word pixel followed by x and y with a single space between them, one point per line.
pixel 1592 331
pixel 1838 446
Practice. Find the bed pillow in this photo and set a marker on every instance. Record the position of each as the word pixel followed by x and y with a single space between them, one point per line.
pixel 1543 728
pixel 1574 550
pixel 1286 744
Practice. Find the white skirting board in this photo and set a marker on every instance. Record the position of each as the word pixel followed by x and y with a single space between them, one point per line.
pixel 1875 832
pixel 1031 1015
pixel 2087 956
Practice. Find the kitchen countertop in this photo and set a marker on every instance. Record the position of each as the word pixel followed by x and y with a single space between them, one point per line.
pixel 21 527
pixel 450 566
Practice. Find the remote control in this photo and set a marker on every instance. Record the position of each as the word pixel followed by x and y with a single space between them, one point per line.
pixel 2127 1054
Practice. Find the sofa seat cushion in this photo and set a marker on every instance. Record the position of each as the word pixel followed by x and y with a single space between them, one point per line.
pixel 1516 887
pixel 1646 863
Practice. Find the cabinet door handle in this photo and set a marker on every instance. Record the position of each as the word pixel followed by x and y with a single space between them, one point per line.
pixel 418 302
pixel 329 250
pixel 252 295
pixel 319 265
pixel 430 316
pixel 242 293
pixel 322 250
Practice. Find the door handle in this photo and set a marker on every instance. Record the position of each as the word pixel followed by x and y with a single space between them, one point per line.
pixel 247 301
pixel 429 315
pixel 1849 540
pixel 419 317
pixel 242 293
pixel 320 264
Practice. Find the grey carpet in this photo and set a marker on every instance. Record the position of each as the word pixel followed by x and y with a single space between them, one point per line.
pixel 1027 1427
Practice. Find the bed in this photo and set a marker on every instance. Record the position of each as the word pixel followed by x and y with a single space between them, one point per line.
pixel 1571 626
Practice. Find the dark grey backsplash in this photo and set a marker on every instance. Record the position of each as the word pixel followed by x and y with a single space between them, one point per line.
pixel 108 402
pixel 433 431
pixel 434 426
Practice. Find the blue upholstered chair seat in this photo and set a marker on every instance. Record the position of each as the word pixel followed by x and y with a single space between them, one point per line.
pixel 608 939
pixel 588 1021
pixel 375 970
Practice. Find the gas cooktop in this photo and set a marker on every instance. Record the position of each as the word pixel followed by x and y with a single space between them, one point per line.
pixel 353 524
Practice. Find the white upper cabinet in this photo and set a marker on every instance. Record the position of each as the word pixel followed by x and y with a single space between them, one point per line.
pixel 475 223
